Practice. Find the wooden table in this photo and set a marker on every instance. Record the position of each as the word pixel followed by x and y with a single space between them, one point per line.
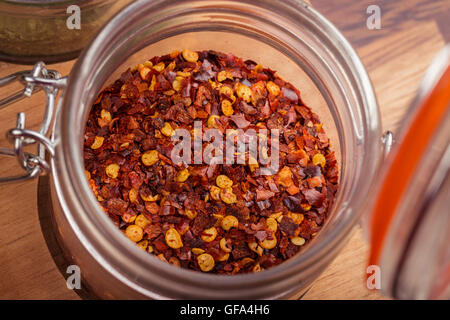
pixel 396 57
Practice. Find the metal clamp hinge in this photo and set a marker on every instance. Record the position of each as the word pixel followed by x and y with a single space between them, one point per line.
pixel 34 80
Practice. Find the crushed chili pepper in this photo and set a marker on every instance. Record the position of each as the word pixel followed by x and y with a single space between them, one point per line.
pixel 221 218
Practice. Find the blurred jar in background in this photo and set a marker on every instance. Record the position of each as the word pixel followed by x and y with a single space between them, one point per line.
pixel 33 30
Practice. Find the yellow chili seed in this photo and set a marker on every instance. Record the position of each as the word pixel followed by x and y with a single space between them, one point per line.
pixel 150 198
pixel 141 221
pixel 227 91
pixel 243 92
pixel 272 224
pixel 159 67
pixel 161 257
pixel 176 84
pixel 169 92
pixel 273 88
pixel 306 206
pixel 148 64
pixel 134 233
pixel 138 67
pixel 143 244
pixel 209 235
pixel 173 239
pixel 285 177
pixel 224 257
pixel 212 121
pixel 276 215
pixel 227 108
pixel 98 142
pixel 268 244
pixel 256 268
pixel 223 181
pixel 105 115
pixel 252 163
pixel 224 245
pixel 223 75
pixel 174 53
pixel 88 174
pixel 112 170
pixel 319 159
pixel 122 89
pixel 124 145
pixel 215 192
pixel 190 56
pixel 228 196
pixel 128 218
pixel 255 248
pixel 191 214
pixel 167 130
pixel 150 249
pixel 150 157
pixel 258 68
pixel 172 65
pixel 205 262
pixel 144 72
pixel 182 175
pixel 174 261
pixel 183 74
pixel 152 85
pixel 214 84
pixel 132 195
pixel 297 217
pixel 229 222
pixel 197 251
pixel 298 241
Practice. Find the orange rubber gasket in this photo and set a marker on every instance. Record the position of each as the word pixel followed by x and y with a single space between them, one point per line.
pixel 405 162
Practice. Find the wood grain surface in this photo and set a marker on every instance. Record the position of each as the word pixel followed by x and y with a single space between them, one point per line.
pixel 396 57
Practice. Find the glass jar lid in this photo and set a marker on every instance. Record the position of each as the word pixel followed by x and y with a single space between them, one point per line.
pixel 410 215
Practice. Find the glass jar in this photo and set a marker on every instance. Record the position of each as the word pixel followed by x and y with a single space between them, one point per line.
pixel 408 220
pixel 288 36
pixel 34 30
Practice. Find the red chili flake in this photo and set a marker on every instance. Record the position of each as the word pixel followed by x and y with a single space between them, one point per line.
pixel 314 197
pixel 263 194
pixel 288 226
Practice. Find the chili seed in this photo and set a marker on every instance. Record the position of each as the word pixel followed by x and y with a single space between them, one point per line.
pixel 112 170
pixel 227 108
pixel 319 160
pixel 273 88
pixel 206 262
pixel 224 182
pixel 209 235
pixel 150 157
pixel 298 241
pixel 98 142
pixel 134 233
pixel 224 245
pixel 173 239
pixel 229 222
pixel 190 56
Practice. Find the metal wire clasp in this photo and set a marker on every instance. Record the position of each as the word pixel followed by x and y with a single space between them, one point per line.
pixel 34 80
